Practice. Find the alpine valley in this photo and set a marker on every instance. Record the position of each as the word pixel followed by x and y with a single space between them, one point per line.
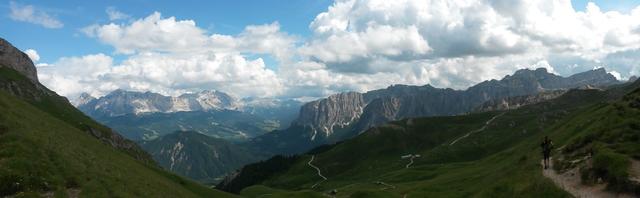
pixel 237 132
pixel 337 98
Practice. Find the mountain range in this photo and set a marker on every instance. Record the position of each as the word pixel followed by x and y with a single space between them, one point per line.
pixel 121 102
pixel 150 116
pixel 345 115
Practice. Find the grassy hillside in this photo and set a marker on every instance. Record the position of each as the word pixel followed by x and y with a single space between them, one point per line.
pixel 44 155
pixel 59 107
pixel 603 142
pixel 501 160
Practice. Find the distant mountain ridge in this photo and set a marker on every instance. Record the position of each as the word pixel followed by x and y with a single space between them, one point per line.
pixel 345 115
pixel 148 115
pixel 121 102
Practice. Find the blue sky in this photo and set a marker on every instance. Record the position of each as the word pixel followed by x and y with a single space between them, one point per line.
pixel 617 5
pixel 298 48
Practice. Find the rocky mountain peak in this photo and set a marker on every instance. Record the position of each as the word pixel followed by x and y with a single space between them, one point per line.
pixel 13 58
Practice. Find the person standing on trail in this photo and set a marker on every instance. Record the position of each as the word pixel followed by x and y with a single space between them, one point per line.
pixel 546 145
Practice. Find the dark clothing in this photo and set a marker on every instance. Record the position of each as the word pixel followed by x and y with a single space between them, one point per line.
pixel 546 148
pixel 546 154
pixel 546 145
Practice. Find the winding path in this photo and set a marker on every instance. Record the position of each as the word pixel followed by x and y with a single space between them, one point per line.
pixel 411 161
pixel 477 130
pixel 318 171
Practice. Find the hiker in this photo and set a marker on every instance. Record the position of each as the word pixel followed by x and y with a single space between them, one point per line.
pixel 546 145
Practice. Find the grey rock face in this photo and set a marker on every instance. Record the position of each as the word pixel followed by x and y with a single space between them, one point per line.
pixel 336 110
pixel 13 58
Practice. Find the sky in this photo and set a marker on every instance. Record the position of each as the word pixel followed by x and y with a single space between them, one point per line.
pixel 312 48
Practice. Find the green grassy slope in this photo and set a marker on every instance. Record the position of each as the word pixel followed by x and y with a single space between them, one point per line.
pixel 601 142
pixel 40 153
pixel 59 107
pixel 500 161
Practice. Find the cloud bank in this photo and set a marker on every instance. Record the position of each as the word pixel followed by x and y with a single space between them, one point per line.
pixel 358 45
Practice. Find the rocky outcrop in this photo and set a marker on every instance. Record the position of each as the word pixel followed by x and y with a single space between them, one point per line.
pixel 339 110
pixel 15 59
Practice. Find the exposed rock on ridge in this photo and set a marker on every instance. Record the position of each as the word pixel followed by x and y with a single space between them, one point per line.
pixel 15 59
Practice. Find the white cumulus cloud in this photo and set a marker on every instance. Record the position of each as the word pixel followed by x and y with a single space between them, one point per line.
pixel 152 33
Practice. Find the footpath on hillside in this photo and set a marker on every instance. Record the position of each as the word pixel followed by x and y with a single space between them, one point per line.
pixel 318 172
pixel 486 124
pixel 570 181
